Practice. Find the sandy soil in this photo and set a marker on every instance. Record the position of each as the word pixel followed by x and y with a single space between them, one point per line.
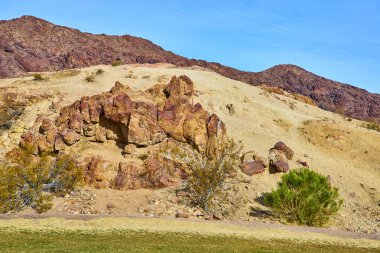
pixel 329 143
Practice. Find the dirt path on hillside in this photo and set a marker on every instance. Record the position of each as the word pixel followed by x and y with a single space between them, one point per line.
pixel 262 231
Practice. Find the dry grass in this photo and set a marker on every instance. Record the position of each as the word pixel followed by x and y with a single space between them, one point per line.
pixel 65 73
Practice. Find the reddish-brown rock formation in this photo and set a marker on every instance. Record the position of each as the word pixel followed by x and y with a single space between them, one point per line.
pixel 115 116
pixel 31 44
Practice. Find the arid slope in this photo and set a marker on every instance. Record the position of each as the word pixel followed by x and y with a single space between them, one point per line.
pixel 328 142
pixel 30 44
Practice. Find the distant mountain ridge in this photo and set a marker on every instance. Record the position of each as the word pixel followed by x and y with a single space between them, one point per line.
pixel 30 44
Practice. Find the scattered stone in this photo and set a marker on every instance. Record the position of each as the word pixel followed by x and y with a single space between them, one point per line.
pixel 278 160
pixel 283 147
pixel 252 167
pixel 303 163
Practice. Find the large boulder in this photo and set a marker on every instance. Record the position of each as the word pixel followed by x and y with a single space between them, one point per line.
pixel 129 176
pixel 195 128
pixel 252 167
pixel 95 173
pixel 179 87
pixel 217 134
pixel 278 160
pixel 162 172
pixel 143 128
pixel 284 148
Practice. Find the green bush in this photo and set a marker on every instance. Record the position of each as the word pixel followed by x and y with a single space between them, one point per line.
pixel 305 197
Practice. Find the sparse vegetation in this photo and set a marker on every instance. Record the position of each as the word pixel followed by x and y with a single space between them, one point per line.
pixel 66 73
pixel 117 62
pixel 304 196
pixel 99 71
pixel 207 182
pixel 372 126
pixel 38 77
pixel 143 157
pixel 90 78
pixel 31 181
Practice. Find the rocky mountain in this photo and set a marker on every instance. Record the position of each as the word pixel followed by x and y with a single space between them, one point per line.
pixel 30 44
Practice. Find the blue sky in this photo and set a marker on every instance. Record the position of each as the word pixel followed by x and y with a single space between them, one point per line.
pixel 337 39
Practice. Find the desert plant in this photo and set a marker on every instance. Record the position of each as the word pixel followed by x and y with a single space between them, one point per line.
pixel 26 180
pixel 99 71
pixel 43 203
pixel 64 175
pixel 38 77
pixel 90 78
pixel 372 126
pixel 208 177
pixel 304 196
pixel 116 63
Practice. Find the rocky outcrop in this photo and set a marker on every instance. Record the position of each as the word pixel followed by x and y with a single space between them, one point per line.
pixel 30 44
pixel 116 116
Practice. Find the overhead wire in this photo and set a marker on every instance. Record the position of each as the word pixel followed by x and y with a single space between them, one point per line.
pixel 312 24
pixel 282 44
pixel 285 30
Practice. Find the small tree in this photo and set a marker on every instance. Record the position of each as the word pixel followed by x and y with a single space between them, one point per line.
pixel 304 196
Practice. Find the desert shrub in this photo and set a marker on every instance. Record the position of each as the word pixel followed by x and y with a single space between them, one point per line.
pixel 116 63
pixel 9 185
pixel 143 157
pixel 99 71
pixel 304 196
pixel 208 180
pixel 90 78
pixel 43 203
pixel 64 175
pixel 26 180
pixel 38 77
pixel 372 126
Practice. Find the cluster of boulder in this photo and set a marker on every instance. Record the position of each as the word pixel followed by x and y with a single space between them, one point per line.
pixel 279 157
pixel 115 116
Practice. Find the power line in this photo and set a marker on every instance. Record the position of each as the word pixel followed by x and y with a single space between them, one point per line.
pixel 282 44
pixel 285 30
pixel 313 24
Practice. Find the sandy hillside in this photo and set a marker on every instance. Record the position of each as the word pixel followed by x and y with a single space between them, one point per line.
pixel 329 143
